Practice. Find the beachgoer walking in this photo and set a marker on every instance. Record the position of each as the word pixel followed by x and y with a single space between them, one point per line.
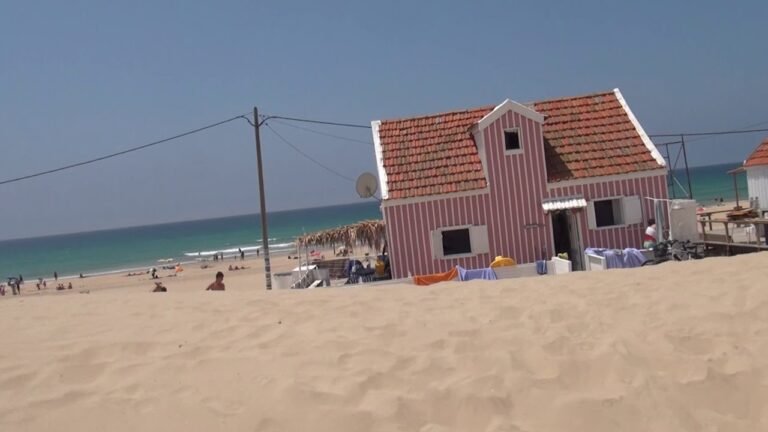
pixel 218 284
pixel 649 239
pixel 55 276
pixel 257 252
pixel 242 254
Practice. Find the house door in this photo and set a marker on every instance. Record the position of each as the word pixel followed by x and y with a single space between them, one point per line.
pixel 565 232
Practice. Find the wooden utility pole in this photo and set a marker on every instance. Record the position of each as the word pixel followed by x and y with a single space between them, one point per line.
pixel 262 201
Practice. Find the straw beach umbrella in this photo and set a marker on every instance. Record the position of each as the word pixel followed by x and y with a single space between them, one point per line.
pixel 369 233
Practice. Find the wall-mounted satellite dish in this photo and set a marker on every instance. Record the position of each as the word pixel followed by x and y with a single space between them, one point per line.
pixel 367 185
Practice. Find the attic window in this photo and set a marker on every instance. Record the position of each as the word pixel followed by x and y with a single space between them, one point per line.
pixel 512 140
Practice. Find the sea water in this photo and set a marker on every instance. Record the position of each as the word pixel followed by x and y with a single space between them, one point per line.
pixel 141 247
pixel 709 183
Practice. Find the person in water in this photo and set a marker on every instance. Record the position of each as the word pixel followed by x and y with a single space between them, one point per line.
pixel 218 284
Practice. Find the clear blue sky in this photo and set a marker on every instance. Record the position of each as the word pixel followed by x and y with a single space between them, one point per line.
pixel 81 79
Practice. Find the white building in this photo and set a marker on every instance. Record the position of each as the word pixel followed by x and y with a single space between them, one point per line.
pixel 756 167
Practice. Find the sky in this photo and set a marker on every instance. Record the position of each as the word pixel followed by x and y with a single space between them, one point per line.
pixel 81 79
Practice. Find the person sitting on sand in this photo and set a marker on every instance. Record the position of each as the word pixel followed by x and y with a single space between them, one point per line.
pixel 218 284
pixel 159 287
pixel 230 267
pixel 69 285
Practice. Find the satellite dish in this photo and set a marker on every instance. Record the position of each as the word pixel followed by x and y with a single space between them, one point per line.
pixel 367 185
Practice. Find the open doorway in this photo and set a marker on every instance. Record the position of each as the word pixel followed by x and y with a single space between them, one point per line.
pixel 565 232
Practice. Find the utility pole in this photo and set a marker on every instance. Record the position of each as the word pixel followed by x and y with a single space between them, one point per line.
pixel 687 173
pixel 262 201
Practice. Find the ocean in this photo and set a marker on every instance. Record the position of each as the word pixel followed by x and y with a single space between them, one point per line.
pixel 140 247
pixel 710 183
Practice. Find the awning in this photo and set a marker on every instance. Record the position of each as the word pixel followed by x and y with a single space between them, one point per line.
pixel 553 204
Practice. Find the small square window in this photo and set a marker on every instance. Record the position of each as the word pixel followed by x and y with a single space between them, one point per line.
pixel 512 140
pixel 456 242
pixel 608 213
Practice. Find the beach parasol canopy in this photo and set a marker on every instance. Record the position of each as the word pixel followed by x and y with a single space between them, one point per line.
pixel 370 233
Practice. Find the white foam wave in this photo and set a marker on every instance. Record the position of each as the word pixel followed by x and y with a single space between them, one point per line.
pixel 235 251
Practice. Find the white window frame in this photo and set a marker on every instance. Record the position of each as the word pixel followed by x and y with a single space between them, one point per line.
pixel 519 139
pixel 592 217
pixel 478 241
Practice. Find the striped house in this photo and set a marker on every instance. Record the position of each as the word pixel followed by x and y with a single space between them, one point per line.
pixel 519 180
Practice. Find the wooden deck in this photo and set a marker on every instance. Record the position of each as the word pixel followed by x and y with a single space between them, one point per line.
pixel 724 241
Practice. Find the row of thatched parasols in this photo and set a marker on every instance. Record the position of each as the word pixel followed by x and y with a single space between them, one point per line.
pixel 369 233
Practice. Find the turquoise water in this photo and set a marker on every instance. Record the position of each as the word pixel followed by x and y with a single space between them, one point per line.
pixel 710 182
pixel 139 247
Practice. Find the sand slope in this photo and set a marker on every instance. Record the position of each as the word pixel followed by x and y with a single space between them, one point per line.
pixel 682 346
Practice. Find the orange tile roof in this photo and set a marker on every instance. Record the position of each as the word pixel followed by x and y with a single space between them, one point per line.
pixel 585 136
pixel 591 136
pixel 759 156
pixel 432 155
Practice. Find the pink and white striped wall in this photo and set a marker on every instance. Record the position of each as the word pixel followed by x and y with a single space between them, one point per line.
pixel 618 237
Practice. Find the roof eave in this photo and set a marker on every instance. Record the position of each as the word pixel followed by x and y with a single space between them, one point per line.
pixel 508 105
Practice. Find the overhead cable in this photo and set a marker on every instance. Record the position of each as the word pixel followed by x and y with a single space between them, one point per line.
pixel 369 143
pixel 310 158
pixel 133 149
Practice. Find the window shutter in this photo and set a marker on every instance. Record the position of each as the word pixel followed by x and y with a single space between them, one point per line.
pixel 437 244
pixel 478 236
pixel 591 215
pixel 632 210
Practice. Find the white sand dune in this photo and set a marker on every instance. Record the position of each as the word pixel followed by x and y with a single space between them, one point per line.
pixel 678 347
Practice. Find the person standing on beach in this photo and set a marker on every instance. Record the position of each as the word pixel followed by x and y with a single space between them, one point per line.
pixel 55 276
pixel 218 284
pixel 649 238
pixel 257 252
pixel 242 254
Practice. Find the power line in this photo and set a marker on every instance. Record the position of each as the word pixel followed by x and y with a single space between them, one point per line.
pixel 369 143
pixel 141 147
pixel 749 126
pixel 743 131
pixel 310 158
pixel 303 120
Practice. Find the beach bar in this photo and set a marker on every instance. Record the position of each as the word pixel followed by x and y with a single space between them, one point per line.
pixel 526 181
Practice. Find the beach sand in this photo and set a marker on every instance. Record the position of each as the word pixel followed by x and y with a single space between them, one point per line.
pixel 679 346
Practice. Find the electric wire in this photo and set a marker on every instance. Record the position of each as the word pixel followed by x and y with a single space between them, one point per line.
pixel 305 120
pixel 308 157
pixel 693 134
pixel 285 120
pixel 120 153
pixel 368 143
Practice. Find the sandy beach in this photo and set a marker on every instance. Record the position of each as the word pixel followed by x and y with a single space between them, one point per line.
pixel 679 346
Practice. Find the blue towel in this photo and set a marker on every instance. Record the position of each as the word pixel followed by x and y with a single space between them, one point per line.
pixel 628 258
pixel 612 259
pixel 484 273
pixel 633 258
pixel 541 267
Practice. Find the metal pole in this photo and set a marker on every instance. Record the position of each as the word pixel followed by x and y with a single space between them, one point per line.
pixel 262 201
pixel 670 173
pixel 687 173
